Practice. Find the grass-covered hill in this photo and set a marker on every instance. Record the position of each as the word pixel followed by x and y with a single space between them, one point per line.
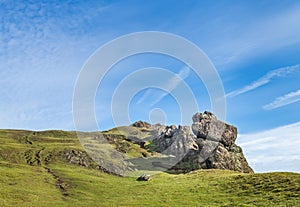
pixel 50 168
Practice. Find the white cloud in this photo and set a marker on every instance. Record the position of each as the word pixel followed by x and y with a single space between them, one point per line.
pixel 280 72
pixel 170 85
pixel 273 150
pixel 286 99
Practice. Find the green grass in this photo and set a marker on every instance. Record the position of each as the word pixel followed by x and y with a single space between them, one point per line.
pixel 58 183
pixel 24 185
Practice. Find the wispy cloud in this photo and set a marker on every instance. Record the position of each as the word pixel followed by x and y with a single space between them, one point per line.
pixel 40 59
pixel 280 72
pixel 279 29
pixel 278 145
pixel 286 99
pixel 145 95
pixel 170 85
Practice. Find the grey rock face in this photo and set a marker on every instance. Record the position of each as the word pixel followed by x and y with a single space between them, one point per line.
pixel 174 141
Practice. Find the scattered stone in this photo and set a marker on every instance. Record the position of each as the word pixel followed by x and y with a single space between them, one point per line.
pixel 77 157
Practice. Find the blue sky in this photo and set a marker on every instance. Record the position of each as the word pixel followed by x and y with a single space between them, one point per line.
pixel 254 45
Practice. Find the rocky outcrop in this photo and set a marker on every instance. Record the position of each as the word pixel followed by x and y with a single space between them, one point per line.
pixel 78 157
pixel 211 145
pixel 81 158
pixel 208 144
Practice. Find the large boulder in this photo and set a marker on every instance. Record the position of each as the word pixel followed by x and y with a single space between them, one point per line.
pixel 207 126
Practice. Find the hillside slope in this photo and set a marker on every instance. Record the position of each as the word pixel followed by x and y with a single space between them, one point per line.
pixel 37 169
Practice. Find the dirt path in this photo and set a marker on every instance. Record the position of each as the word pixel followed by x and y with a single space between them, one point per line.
pixel 34 158
pixel 60 184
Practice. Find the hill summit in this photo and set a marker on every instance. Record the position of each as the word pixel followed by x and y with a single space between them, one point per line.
pixel 54 168
pixel 126 150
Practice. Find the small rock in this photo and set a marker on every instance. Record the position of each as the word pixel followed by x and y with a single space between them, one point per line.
pixel 144 177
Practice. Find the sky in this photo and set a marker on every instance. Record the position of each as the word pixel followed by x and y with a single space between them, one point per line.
pixel 254 46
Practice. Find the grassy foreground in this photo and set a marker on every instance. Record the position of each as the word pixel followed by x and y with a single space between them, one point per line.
pixel 32 173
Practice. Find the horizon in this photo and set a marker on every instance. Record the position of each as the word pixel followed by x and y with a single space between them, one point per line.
pixel 253 46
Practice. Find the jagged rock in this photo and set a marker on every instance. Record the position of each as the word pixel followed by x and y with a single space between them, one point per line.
pixel 174 141
pixel 206 125
pixel 78 158
pixel 230 159
pixel 141 124
pixel 144 177
pixel 212 146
